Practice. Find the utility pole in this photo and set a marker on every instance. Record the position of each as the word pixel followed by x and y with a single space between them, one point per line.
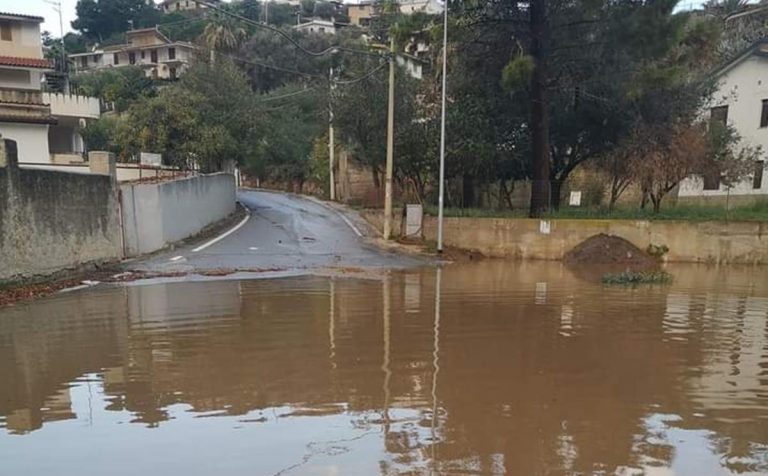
pixel 390 143
pixel 441 187
pixel 331 150
pixel 64 70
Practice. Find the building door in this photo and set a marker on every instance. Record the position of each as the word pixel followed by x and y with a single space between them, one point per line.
pixel 153 56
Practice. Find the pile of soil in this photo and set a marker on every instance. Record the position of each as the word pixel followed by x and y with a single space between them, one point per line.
pixel 604 249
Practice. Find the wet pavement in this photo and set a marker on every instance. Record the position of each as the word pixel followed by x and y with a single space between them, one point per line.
pixel 284 232
pixel 479 368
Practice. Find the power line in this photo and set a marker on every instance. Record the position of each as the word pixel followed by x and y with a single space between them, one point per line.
pixel 363 77
pixel 271 66
pixel 330 49
pixel 283 96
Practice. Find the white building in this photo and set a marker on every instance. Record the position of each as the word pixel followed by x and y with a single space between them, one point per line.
pixel 149 49
pixel 24 116
pixel 317 25
pixel 170 6
pixel 45 126
pixel 432 7
pixel 742 101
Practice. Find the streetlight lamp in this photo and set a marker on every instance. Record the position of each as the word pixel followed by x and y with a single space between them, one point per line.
pixel 441 186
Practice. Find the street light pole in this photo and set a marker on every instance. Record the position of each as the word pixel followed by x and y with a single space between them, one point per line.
pixel 441 186
pixel 390 143
pixel 331 150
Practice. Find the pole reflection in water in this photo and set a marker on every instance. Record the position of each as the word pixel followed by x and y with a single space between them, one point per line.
pixel 386 300
pixel 332 322
pixel 436 365
pixel 315 375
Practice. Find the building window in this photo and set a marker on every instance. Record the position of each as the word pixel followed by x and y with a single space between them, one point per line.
pixel 186 3
pixel 95 58
pixel 322 29
pixel 764 114
pixel 757 180
pixel 132 58
pixel 178 6
pixel 718 115
pixel 143 54
pixel 6 31
pixel 84 61
pixel 115 59
pixel 712 181
pixel 171 53
pixel 153 56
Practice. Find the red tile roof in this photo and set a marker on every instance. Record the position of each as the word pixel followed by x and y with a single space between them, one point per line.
pixel 22 17
pixel 25 62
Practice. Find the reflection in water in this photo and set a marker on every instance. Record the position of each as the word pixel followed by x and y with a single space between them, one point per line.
pixel 488 368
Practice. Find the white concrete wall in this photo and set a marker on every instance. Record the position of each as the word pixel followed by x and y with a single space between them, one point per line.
pixel 742 89
pixel 72 105
pixel 155 215
pixel 32 140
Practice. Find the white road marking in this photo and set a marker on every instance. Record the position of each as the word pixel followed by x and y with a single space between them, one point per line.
pixel 176 258
pixel 253 248
pixel 341 215
pixel 351 225
pixel 224 235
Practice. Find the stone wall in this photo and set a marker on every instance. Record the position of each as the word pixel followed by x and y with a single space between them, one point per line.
pixel 691 242
pixel 155 215
pixel 51 220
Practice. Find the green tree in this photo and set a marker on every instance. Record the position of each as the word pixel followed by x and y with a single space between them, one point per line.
pixel 98 20
pixel 119 86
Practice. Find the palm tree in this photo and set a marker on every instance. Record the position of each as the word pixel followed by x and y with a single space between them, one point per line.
pixel 223 34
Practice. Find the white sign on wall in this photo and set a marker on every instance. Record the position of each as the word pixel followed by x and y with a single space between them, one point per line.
pixel 575 200
pixel 151 160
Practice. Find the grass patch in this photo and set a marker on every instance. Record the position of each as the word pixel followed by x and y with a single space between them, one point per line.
pixel 756 212
pixel 634 278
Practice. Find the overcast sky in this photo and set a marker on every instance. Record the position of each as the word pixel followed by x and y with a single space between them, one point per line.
pixel 43 9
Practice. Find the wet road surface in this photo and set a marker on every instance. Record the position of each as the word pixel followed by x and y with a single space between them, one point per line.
pixel 481 368
pixel 286 232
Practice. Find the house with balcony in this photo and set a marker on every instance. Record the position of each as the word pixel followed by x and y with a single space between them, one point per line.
pixel 72 113
pixel 24 116
pixel 147 48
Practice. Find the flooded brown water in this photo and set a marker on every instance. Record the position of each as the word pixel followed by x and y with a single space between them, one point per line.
pixel 510 369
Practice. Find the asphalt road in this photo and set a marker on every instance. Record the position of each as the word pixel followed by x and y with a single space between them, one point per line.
pixel 285 232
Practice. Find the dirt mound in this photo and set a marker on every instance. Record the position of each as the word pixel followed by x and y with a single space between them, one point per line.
pixel 604 249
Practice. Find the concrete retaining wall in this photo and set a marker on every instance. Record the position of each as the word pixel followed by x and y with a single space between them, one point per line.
pixel 694 242
pixel 51 221
pixel 155 215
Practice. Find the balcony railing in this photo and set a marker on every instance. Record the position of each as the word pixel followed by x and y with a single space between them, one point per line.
pixel 20 96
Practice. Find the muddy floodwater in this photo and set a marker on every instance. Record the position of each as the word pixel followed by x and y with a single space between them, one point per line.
pixel 487 368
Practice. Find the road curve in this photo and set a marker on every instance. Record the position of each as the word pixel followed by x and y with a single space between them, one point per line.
pixel 286 232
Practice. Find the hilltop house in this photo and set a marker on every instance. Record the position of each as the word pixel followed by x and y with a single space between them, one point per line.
pixel 360 14
pixel 148 48
pixel 741 100
pixel 432 7
pixel 170 6
pixel 318 25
